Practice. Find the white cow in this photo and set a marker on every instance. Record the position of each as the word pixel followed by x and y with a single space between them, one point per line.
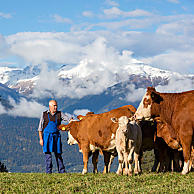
pixel 128 142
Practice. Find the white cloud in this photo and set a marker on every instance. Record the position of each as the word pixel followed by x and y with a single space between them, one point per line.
pixel 173 1
pixel 179 61
pixel 115 12
pixel 60 19
pixel 88 14
pixel 134 95
pixel 179 27
pixel 24 108
pixel 175 85
pixel 3 47
pixel 2 109
pixel 37 48
pixel 111 3
pixel 5 15
pixel 81 112
pixel 101 67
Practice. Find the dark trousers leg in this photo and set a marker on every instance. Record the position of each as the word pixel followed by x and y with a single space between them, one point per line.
pixel 48 162
pixel 60 165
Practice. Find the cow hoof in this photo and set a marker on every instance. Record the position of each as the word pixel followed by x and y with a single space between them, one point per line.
pixel 84 171
pixel 125 172
pixel 136 172
pixel 184 172
pixel 130 173
pixel 119 173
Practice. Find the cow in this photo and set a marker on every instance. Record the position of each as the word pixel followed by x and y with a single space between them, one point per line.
pixel 97 132
pixel 163 155
pixel 128 143
pixel 176 111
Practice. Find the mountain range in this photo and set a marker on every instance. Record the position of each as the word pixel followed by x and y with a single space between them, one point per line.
pixel 75 87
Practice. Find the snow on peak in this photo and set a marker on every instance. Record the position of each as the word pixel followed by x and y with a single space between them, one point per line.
pixel 10 75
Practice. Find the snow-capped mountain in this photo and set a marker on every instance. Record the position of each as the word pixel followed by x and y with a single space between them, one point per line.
pixel 11 75
pixel 85 79
pixel 97 88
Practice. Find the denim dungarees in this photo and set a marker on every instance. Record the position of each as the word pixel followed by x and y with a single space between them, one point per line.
pixel 52 137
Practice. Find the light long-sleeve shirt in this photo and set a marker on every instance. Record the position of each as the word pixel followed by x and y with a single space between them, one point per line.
pixel 64 117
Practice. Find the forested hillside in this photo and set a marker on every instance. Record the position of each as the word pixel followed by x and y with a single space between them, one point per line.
pixel 20 150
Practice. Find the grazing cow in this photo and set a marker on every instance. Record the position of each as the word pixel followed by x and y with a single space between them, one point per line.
pixel 176 111
pixel 165 131
pixel 150 140
pixel 128 142
pixel 97 132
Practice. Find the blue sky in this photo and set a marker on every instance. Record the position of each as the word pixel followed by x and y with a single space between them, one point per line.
pixel 156 32
pixel 61 15
pixel 96 36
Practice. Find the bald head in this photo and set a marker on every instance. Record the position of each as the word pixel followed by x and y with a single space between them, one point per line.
pixel 53 106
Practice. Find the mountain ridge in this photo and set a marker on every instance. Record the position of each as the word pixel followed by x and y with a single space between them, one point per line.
pixel 25 80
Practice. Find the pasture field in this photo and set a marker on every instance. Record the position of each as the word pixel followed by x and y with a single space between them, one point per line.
pixel 96 183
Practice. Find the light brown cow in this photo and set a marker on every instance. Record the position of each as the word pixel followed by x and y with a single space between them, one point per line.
pixel 176 110
pixel 97 132
pixel 128 144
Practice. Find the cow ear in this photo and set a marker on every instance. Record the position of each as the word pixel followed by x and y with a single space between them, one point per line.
pixel 131 118
pixel 114 120
pixel 62 127
pixel 80 117
pixel 156 97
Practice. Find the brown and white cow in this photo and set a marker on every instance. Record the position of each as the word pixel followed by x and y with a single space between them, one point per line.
pixel 97 132
pixel 128 144
pixel 176 110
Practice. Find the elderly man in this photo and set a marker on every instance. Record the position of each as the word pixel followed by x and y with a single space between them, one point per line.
pixel 50 137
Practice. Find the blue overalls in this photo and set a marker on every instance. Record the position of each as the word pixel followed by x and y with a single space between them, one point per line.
pixel 52 143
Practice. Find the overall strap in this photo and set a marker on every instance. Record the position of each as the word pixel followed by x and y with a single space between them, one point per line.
pixel 55 118
pixel 48 117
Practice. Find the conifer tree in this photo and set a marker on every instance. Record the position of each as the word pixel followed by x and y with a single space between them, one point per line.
pixel 3 168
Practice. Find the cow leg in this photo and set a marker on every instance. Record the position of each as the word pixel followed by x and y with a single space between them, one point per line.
pixel 106 161
pixel 85 159
pixel 140 159
pixel 95 161
pixel 176 161
pixel 126 171
pixel 191 165
pixel 164 159
pixel 186 144
pixel 120 159
pixel 137 168
pixel 156 160
pixel 110 162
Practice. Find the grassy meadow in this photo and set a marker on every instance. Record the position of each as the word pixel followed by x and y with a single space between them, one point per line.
pixel 96 183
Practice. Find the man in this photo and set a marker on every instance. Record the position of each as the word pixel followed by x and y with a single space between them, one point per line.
pixel 50 137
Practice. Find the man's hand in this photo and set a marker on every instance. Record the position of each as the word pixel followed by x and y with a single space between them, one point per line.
pixel 41 142
pixel 41 138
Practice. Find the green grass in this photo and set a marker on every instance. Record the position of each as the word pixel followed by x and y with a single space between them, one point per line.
pixel 98 183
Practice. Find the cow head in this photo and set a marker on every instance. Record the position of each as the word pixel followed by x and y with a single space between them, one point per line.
pixel 71 140
pixel 165 131
pixel 62 127
pixel 122 121
pixel 145 107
